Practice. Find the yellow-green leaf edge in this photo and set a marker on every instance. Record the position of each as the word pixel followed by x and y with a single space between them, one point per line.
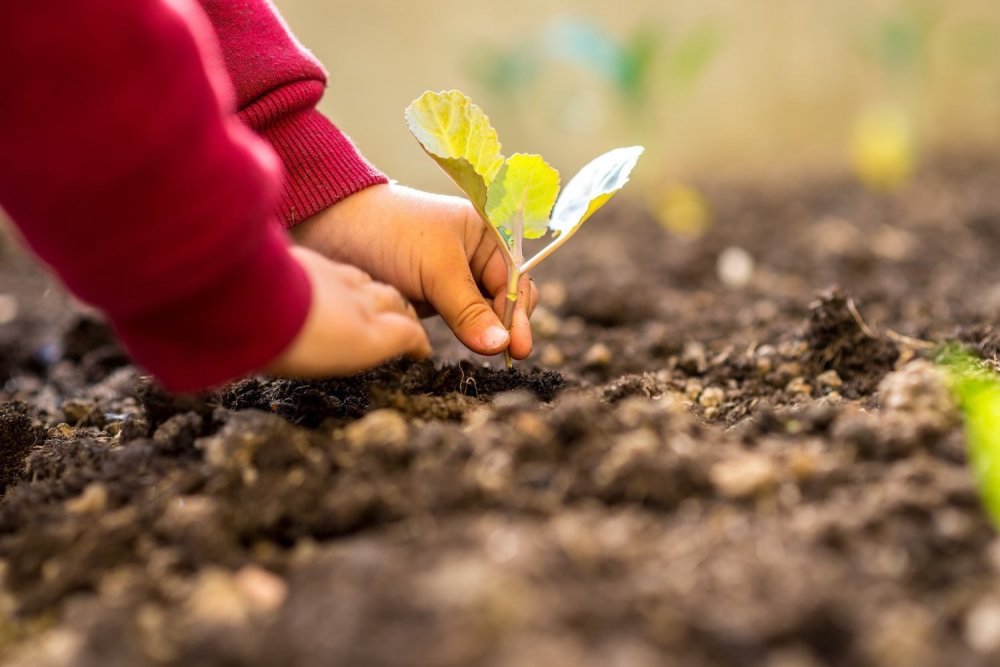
pixel 459 137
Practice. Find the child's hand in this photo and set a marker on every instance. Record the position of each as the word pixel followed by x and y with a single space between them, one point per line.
pixel 437 251
pixel 354 323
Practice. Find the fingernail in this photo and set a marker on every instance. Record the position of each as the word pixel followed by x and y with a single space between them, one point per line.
pixel 496 337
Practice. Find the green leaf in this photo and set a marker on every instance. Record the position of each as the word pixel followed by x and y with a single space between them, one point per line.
pixel 982 427
pixel 978 394
pixel 458 135
pixel 521 197
pixel 591 189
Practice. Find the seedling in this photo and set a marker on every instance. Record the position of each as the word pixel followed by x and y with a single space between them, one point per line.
pixel 515 196
pixel 978 393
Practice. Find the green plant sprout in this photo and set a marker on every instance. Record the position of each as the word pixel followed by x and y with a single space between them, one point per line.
pixel 978 393
pixel 516 196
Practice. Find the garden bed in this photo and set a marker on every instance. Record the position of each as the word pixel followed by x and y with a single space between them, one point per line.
pixel 684 473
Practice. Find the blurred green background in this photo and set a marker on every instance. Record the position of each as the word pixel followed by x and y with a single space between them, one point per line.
pixel 719 88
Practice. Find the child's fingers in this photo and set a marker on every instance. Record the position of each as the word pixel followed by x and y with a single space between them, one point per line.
pixel 348 273
pixel 395 334
pixel 353 324
pixel 494 275
pixel 454 294
pixel 520 329
pixel 387 298
pixel 532 299
pixel 520 335
pixel 472 320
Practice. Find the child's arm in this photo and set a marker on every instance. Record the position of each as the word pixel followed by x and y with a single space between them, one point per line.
pixel 278 85
pixel 124 171
pixel 433 249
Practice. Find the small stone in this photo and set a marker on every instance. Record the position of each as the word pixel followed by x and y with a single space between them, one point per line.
pixel 598 355
pixel 77 411
pixel 744 476
pixel 54 647
pixel 799 387
pixel 532 426
pixel 694 358
pixel 693 389
pixel 893 244
pixel 574 327
pixel 906 355
pixel 477 418
pixel 829 380
pixel 763 359
pixel 802 464
pixel 218 600
pixel 788 370
pixel 545 323
pixel 920 391
pixel 184 512
pixel 61 431
pixel 954 525
pixel 902 634
pixel 552 293
pixel 632 451
pixel 150 619
pixel 982 627
pixel 735 267
pixel 711 397
pixel 837 236
pixel 385 426
pixel 93 500
pixel 552 357
pixel 793 349
pixel 264 591
pixel 765 351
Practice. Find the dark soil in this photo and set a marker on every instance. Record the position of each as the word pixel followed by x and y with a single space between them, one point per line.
pixel 685 473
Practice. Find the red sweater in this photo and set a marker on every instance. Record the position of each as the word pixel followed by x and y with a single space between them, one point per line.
pixel 126 167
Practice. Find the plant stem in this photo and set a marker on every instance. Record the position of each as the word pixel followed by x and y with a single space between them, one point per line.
pixel 513 276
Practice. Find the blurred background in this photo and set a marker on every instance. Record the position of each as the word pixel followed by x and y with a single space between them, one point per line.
pixel 713 88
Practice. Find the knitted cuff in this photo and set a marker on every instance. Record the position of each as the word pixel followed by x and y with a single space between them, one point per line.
pixel 322 165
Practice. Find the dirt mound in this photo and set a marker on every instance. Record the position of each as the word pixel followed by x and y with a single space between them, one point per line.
pixel 839 340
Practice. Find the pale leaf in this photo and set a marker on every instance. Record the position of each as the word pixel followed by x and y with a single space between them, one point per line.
pixel 592 187
pixel 458 136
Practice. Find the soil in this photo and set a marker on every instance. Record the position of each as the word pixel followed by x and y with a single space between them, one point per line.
pixel 686 472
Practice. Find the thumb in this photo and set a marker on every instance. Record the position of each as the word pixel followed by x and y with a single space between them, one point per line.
pixel 461 305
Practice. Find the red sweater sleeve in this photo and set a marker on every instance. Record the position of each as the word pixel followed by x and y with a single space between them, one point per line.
pixel 125 170
pixel 278 84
